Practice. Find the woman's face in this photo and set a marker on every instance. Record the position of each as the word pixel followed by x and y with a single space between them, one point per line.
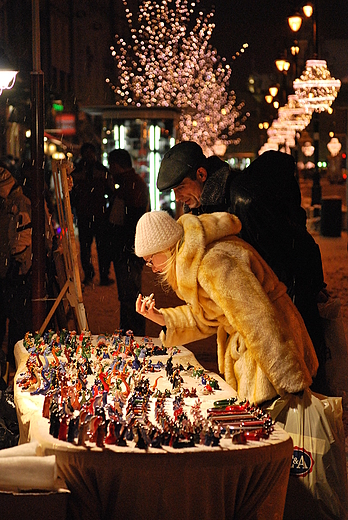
pixel 156 261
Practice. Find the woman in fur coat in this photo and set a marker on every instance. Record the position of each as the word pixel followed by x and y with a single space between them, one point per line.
pixel 264 349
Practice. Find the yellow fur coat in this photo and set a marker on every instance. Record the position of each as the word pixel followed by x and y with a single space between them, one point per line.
pixel 263 346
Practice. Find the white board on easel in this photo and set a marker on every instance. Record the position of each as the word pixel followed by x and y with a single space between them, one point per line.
pixel 72 288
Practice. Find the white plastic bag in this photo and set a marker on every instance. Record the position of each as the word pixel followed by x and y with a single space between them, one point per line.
pixel 318 478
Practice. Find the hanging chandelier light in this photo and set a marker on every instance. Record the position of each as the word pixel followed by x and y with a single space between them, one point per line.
pixel 334 146
pixel 315 88
pixel 295 115
pixel 267 147
pixel 280 133
pixel 307 149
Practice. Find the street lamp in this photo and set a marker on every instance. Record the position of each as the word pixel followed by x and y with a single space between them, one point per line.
pixel 316 90
pixel 307 149
pixel 7 79
pixel 7 74
pixel 295 49
pixel 334 171
pixel 273 91
pixel 295 22
pixel 282 64
pixel 334 146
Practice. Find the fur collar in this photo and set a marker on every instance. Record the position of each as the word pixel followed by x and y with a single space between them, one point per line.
pixel 199 232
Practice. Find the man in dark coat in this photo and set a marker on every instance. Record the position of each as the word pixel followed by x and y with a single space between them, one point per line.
pixel 131 201
pixel 267 199
pixel 15 261
pixel 90 196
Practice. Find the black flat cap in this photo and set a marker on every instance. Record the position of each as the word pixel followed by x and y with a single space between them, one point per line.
pixel 178 163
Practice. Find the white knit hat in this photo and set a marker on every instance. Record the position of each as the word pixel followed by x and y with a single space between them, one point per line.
pixel 155 232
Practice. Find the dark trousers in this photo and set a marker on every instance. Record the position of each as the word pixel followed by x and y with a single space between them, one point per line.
pixel 88 229
pixel 128 270
pixel 308 308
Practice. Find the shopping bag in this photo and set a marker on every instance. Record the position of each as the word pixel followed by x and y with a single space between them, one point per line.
pixel 318 477
pixel 336 367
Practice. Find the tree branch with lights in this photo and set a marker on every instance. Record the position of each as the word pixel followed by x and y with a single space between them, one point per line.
pixel 166 60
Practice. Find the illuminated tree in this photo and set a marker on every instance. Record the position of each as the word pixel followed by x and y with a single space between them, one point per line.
pixel 167 61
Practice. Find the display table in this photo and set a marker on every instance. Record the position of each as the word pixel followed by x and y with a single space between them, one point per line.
pixel 201 482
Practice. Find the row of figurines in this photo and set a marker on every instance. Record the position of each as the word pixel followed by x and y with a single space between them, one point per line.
pixel 52 364
pixel 128 419
pixel 71 344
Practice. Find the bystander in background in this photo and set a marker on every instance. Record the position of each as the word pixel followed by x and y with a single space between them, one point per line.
pixel 90 197
pixel 15 262
pixel 131 201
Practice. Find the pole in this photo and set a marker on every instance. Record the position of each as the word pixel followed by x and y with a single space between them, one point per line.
pixel 37 176
pixel 316 187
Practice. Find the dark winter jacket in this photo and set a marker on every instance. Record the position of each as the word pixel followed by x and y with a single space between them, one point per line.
pixel 91 191
pixel 15 236
pixel 267 199
pixel 131 201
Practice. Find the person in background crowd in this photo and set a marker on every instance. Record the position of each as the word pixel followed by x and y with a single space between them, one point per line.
pixel 264 349
pixel 15 261
pixel 267 200
pixel 24 180
pixel 6 184
pixel 90 196
pixel 131 201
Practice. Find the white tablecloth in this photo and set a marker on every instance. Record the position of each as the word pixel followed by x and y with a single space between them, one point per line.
pixel 203 483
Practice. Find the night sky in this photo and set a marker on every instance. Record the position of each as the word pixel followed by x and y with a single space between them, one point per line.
pixel 263 25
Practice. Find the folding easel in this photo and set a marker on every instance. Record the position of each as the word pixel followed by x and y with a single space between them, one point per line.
pixel 69 276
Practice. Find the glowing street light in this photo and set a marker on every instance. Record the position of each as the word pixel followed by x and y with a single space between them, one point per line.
pixel 316 91
pixel 307 10
pixel 295 22
pixel 273 91
pixel 7 75
pixel 282 64
pixel 334 146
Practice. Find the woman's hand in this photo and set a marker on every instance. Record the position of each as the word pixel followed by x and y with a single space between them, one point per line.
pixel 146 307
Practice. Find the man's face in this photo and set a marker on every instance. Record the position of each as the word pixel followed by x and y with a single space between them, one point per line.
pixel 189 192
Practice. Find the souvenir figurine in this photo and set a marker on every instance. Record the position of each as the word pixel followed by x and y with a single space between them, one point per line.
pixel 110 436
pixel 169 367
pixel 100 434
pixel 63 428
pixel 54 419
pixel 73 429
pixel 46 406
pixel 83 433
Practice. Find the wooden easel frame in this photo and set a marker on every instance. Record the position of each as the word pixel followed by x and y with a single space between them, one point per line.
pixel 72 287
